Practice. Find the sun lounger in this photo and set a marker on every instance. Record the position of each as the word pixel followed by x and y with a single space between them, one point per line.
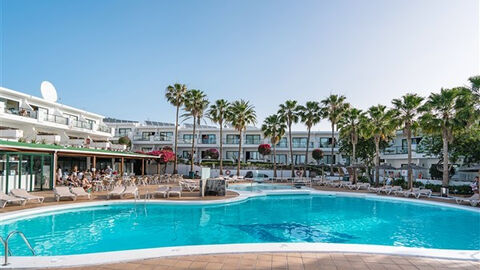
pixel 63 192
pixel 163 190
pixel 130 190
pixel 417 192
pixel 4 199
pixel 22 193
pixel 388 190
pixel 190 185
pixel 473 200
pixel 79 191
pixel 175 190
pixel 116 191
pixel 358 186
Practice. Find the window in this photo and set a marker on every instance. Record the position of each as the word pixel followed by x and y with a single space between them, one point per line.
pixel 187 138
pixel 209 139
pixel 415 141
pixel 91 122
pixel 252 139
pixel 299 142
pixel 11 106
pixel 146 149
pixel 281 159
pixel 72 117
pixel 165 136
pixel 123 132
pixel 282 143
pixel 325 142
pixel 232 155
pixel 186 154
pixel 146 135
pixel 299 159
pixel 252 155
pixel 327 159
pixel 233 139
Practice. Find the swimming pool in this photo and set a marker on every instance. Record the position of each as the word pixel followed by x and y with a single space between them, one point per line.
pixel 261 219
pixel 254 187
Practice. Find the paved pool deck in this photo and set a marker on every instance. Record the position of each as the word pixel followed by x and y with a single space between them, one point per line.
pixel 291 261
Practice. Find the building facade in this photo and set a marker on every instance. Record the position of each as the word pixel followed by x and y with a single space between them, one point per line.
pixel 152 135
pixel 37 137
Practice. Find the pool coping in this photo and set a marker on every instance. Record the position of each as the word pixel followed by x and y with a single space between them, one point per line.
pixel 139 254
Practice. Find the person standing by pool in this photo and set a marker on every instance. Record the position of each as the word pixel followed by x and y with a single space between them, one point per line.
pixel 475 184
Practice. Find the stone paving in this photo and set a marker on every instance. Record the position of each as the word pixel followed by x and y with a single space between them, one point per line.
pixel 291 261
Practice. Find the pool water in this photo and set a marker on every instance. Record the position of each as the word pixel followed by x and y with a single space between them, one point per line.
pixel 264 219
pixel 259 187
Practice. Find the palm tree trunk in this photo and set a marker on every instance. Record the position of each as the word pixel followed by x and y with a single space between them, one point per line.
pixel 354 157
pixel 377 161
pixel 176 138
pixel 333 146
pixel 445 158
pixel 409 157
pixel 239 153
pixel 193 145
pixel 306 152
pixel 274 159
pixel 221 147
pixel 291 149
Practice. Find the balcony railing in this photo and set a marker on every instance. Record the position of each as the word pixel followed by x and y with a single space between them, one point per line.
pixel 162 139
pixel 56 119
pixel 141 138
pixel 82 124
pixel 22 112
pixel 232 141
pixel 303 145
pixel 208 141
pixel 103 128
pixel 325 145
pixel 401 150
pixel 253 141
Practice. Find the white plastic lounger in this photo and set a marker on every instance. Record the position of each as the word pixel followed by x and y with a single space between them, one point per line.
pixel 163 190
pixel 391 189
pixel 175 190
pixel 418 192
pixel 63 192
pixel 4 199
pixel 116 191
pixel 79 191
pixel 22 193
pixel 472 200
pixel 130 190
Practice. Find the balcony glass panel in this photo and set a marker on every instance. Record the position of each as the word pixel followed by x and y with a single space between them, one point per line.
pixel 56 119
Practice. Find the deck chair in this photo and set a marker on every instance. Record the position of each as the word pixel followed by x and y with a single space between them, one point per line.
pixel 22 193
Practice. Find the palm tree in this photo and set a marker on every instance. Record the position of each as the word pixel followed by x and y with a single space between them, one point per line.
pixel 334 106
pixel 378 124
pixel 349 129
pixel 406 111
pixel 175 95
pixel 445 113
pixel 195 104
pixel 217 114
pixel 310 115
pixel 274 128
pixel 288 113
pixel 240 115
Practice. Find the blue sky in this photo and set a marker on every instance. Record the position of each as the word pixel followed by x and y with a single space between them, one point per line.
pixel 116 57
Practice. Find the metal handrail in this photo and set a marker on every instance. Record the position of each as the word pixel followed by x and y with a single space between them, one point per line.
pixel 6 245
pixel 3 242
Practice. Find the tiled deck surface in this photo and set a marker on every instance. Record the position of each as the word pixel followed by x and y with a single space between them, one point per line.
pixel 292 261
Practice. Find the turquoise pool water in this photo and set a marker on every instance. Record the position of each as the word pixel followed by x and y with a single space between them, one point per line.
pixel 265 219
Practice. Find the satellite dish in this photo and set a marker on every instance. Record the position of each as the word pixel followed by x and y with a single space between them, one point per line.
pixel 49 92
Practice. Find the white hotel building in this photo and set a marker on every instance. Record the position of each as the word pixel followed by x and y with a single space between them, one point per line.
pixel 152 135
pixel 37 136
